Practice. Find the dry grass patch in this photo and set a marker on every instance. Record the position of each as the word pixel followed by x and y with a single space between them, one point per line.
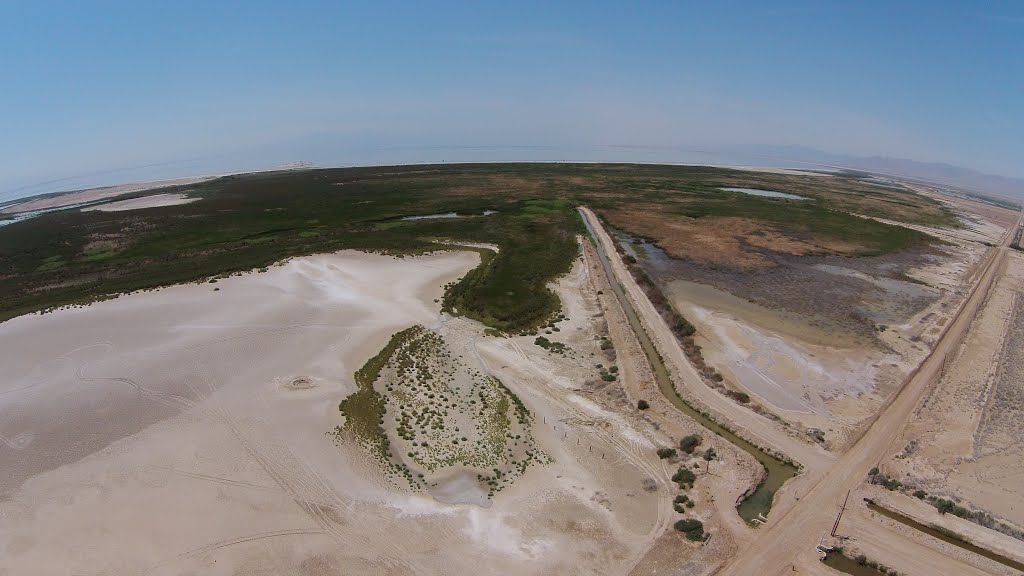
pixel 720 241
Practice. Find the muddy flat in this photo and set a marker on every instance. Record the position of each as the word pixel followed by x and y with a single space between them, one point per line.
pixel 190 430
pixel 140 432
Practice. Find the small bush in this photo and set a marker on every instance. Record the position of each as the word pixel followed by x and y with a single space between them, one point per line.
pixel 664 453
pixel 741 397
pixel 642 405
pixel 688 443
pixel 694 529
pixel 684 477
pixel 683 328
pixel 920 494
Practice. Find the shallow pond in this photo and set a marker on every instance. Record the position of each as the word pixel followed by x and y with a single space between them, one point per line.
pixel 461 487
pixel 768 193
pixel 445 215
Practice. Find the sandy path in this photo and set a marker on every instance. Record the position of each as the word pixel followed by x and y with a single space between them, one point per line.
pixel 790 537
pixel 153 201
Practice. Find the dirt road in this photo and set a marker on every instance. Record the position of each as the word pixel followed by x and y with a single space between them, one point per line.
pixel 789 538
pixel 791 534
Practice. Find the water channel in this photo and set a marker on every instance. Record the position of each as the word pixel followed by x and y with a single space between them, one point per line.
pixel 946 536
pixel 846 565
pixel 756 505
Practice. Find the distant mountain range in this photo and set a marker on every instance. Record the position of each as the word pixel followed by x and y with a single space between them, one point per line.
pixel 934 172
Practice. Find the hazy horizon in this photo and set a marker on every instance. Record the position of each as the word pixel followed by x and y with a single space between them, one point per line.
pixel 121 91
pixel 372 156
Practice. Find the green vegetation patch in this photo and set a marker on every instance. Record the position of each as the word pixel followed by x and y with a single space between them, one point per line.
pixel 99 255
pixel 51 263
pixel 420 407
pixel 364 409
pixel 247 222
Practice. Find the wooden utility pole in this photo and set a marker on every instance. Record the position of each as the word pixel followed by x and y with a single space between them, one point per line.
pixel 840 516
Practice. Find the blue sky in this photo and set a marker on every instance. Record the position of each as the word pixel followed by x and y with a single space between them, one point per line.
pixel 104 88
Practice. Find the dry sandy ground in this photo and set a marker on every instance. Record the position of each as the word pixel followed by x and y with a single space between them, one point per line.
pixel 153 201
pixel 965 439
pixel 93 194
pixel 162 433
pixel 787 542
pixel 871 525
pixel 805 508
pixel 812 377
pixel 599 425
pixel 717 494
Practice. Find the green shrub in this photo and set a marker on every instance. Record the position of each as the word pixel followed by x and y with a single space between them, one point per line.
pixel 684 477
pixel 683 327
pixel 693 528
pixel 741 397
pixel 664 453
pixel 688 443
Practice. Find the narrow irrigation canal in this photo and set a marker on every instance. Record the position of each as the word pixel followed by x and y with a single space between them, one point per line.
pixel 946 536
pixel 758 503
pixel 846 565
